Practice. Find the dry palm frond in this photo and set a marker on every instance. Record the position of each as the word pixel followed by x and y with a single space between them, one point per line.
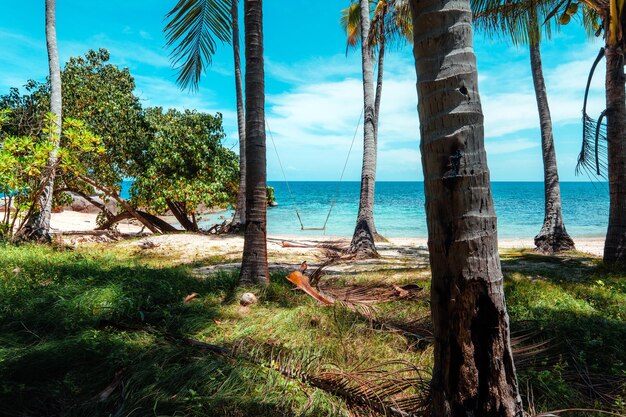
pixel 374 293
pixel 391 388
pixel 593 155
pixel 302 282
pixel 557 413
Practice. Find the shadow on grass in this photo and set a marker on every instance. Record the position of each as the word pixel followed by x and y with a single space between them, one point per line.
pixel 88 334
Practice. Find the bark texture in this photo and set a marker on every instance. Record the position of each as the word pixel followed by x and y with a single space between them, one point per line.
pixel 40 228
pixel 362 244
pixel 239 219
pixel 473 373
pixel 615 244
pixel 254 263
pixel 552 237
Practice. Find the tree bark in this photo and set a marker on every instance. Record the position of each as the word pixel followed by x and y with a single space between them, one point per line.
pixel 254 263
pixel 102 207
pixel 362 244
pixel 239 219
pixel 473 372
pixel 40 228
pixel 552 237
pixel 162 225
pixel 181 216
pixel 123 203
pixel 615 243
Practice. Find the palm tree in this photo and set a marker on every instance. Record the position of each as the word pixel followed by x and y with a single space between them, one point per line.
pixel 365 231
pixel 239 219
pixel 612 14
pixel 355 20
pixel 473 373
pixel 254 263
pixel 40 228
pixel 520 20
pixel 192 26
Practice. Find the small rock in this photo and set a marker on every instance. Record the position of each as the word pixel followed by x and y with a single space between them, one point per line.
pixel 247 298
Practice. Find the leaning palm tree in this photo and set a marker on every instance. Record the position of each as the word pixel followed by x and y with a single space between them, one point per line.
pixel 40 227
pixel 365 231
pixel 239 219
pixel 355 20
pixel 473 372
pixel 192 30
pixel 520 20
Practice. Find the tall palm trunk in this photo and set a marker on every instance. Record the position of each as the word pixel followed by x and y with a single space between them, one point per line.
pixel 473 370
pixel 40 229
pixel 615 244
pixel 552 237
pixel 240 211
pixel 363 239
pixel 379 76
pixel 254 262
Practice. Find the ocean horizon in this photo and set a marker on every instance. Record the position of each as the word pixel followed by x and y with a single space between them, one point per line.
pixel 399 208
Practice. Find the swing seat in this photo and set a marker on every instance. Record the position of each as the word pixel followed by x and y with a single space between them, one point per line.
pixel 313 228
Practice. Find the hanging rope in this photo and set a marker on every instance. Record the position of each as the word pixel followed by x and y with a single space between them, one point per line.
pixel 332 203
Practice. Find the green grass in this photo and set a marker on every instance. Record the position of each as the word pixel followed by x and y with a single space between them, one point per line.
pixel 70 321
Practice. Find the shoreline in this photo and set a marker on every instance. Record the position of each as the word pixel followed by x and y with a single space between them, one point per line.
pixel 74 221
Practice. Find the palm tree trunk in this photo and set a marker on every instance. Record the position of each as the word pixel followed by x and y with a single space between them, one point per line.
pixel 553 237
pixel 615 244
pixel 254 263
pixel 363 239
pixel 240 211
pixel 473 370
pixel 40 228
pixel 379 77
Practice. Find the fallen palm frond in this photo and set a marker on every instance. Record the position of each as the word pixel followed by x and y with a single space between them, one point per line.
pixel 388 388
pixel 302 282
pixel 374 293
pixel 557 413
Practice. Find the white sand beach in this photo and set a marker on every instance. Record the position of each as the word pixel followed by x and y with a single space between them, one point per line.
pixel 69 221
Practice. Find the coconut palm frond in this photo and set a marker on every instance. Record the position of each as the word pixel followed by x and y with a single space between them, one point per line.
pixel 401 24
pixel 519 19
pixel 192 30
pixel 593 154
pixel 591 21
pixel 390 388
pixel 350 21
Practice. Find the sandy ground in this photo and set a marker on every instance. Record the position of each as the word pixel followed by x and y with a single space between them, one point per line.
pixel 200 246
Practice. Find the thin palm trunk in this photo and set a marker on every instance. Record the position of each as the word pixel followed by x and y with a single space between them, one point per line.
pixel 254 263
pixel 363 239
pixel 379 77
pixel 615 244
pixel 553 237
pixel 40 229
pixel 473 370
pixel 240 211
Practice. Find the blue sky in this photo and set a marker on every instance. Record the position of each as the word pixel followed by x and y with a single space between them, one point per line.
pixel 313 91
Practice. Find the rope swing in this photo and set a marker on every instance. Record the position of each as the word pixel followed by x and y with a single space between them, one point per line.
pixel 293 200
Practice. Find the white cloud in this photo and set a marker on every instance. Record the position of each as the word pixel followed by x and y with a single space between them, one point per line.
pixel 508 146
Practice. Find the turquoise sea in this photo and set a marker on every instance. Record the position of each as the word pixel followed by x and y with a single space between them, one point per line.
pixel 399 208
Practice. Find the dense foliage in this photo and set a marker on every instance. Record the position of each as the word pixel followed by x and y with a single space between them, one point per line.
pixel 185 165
pixel 23 167
pixel 176 158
